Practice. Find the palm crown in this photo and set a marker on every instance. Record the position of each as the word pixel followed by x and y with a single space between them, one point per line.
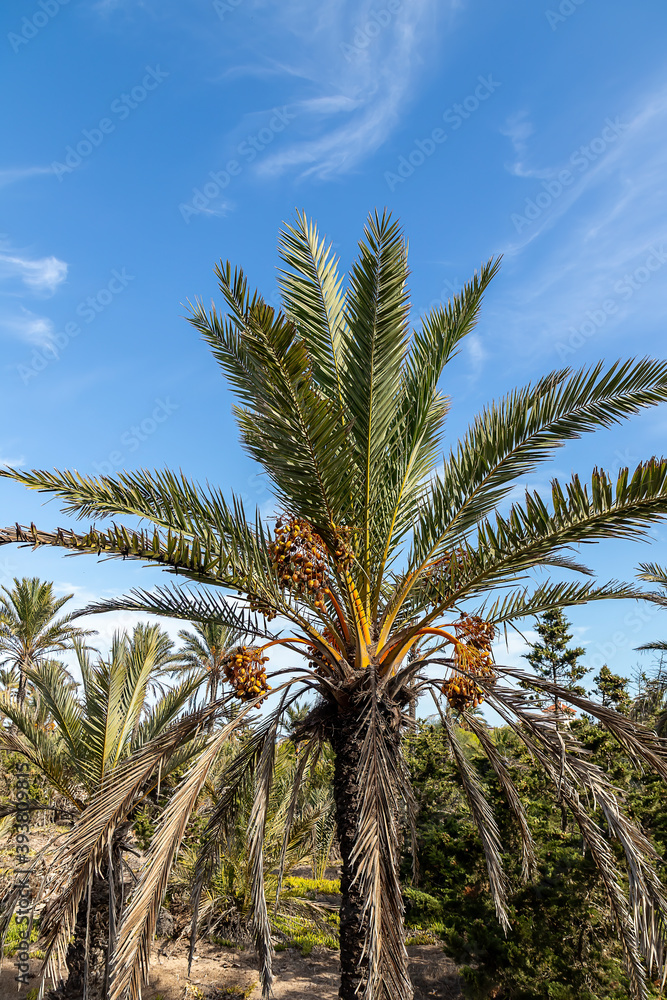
pixel 383 565
pixel 92 731
pixel 30 630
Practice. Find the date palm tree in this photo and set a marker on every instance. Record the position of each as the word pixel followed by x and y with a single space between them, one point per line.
pixel 30 630
pixel 79 747
pixel 204 650
pixel 389 574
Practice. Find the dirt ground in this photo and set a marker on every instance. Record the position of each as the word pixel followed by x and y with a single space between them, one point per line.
pixel 219 973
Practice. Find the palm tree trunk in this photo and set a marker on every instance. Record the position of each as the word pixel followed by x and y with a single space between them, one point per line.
pixel 86 959
pixel 347 740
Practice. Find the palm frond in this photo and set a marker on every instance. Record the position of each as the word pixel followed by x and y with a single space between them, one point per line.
pixel 412 447
pixel 485 822
pixel 373 352
pixel 528 859
pixel 508 440
pixel 202 606
pixel 130 962
pixel 84 848
pixel 521 602
pixel 642 745
pixel 314 298
pixel 294 432
pixel 256 830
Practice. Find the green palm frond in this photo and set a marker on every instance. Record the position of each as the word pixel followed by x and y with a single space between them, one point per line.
pixel 520 603
pixel 54 684
pixel 411 454
pixel 373 355
pixel 202 606
pixel 534 533
pixel 508 440
pixel 653 573
pixel 313 294
pixel 34 744
pixel 265 359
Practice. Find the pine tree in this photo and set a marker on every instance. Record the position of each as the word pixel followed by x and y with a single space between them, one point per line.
pixel 612 690
pixel 552 658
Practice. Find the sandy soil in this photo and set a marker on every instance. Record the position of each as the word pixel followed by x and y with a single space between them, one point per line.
pixel 219 973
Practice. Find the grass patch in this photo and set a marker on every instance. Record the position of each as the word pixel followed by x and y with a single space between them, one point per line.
pixel 304 934
pixel 15 936
pixel 311 886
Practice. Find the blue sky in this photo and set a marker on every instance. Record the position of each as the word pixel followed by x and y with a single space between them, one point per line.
pixel 145 139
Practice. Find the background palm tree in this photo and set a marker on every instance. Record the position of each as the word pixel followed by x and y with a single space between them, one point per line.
pixel 378 553
pixel 30 630
pixel 204 651
pixel 93 730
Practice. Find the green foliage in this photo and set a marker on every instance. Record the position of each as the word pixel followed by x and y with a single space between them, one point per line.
pixel 143 827
pixel 15 934
pixel 300 932
pixel 311 886
pixel 562 943
pixel 552 658
pixel 612 690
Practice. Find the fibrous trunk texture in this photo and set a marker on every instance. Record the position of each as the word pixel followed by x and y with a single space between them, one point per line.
pixel 95 925
pixel 348 743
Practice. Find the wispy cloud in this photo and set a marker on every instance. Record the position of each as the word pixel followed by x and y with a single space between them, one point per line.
pixel 15 174
pixel 28 327
pixel 42 274
pixel 582 259
pixel 12 462
pixel 364 67
pixel 21 276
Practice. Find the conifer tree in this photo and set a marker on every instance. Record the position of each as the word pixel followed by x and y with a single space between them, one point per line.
pixel 612 690
pixel 552 658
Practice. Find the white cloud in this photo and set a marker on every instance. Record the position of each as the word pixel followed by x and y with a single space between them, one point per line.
pixel 518 130
pixel 35 330
pixel 365 69
pixel 42 274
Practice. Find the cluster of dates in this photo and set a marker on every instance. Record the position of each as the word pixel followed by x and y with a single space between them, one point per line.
pixel 473 654
pixel 299 556
pixel 244 669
